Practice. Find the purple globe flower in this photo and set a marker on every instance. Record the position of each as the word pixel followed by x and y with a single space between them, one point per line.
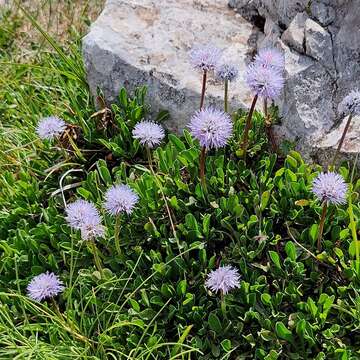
pixel 92 228
pixel 205 57
pixel 148 133
pixel 120 198
pixel 226 72
pixel 50 127
pixel 270 57
pixel 330 187
pixel 46 285
pixel 83 215
pixel 223 279
pixel 266 82
pixel 211 127
pixel 350 104
pixel 78 211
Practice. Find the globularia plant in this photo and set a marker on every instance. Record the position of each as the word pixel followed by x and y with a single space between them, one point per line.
pixel 120 199
pixel 265 79
pixel 223 280
pixel 204 58
pixel 150 135
pixel 212 128
pixel 226 73
pixel 82 215
pixel 44 286
pixel 50 128
pixel 329 188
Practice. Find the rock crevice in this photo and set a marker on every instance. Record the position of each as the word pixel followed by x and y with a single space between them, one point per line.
pixel 321 41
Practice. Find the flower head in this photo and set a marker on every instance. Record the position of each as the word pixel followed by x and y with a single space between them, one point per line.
pixel 120 198
pixel 211 127
pixel 46 285
pixel 148 133
pixel 350 104
pixel 270 57
pixel 78 211
pixel 330 187
pixel 205 57
pixel 224 279
pixel 92 228
pixel 226 72
pixel 50 127
pixel 266 82
pixel 83 215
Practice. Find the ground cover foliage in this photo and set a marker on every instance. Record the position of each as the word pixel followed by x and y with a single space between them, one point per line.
pixel 149 301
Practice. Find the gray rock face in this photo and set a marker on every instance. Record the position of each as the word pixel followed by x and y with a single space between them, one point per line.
pixel 321 41
pixel 294 35
pixel 146 42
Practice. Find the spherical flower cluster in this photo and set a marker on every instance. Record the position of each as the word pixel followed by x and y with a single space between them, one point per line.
pixel 266 82
pixel 148 133
pixel 120 198
pixel 330 187
pixel 50 127
pixel 82 215
pixel 270 57
pixel 46 285
pixel 223 279
pixel 226 72
pixel 211 127
pixel 205 58
pixel 350 104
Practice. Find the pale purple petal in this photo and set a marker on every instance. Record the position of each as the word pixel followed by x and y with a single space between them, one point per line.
pixel 266 82
pixel 120 198
pixel 50 127
pixel 83 215
pixel 148 133
pixel 205 57
pixel 211 127
pixel 223 279
pixel 226 72
pixel 46 285
pixel 330 187
pixel 350 104
pixel 271 57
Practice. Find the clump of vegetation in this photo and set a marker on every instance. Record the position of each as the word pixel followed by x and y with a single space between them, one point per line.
pixel 119 240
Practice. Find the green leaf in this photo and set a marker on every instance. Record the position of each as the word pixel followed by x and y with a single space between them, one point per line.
pixel 290 250
pixel 275 258
pixel 265 196
pixel 214 323
pixel 180 146
pixel 282 332
pixel 181 287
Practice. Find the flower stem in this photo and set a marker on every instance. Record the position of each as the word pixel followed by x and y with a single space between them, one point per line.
pixel 268 127
pixel 223 304
pixel 321 225
pixel 117 233
pixel 202 167
pixel 341 141
pixel 352 226
pixel 245 142
pixel 96 256
pixel 226 91
pixel 203 89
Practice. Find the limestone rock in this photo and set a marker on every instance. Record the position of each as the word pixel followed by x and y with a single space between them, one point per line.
pixel 146 42
pixel 318 43
pixel 324 13
pixel 326 148
pixel 319 74
pixel 294 35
